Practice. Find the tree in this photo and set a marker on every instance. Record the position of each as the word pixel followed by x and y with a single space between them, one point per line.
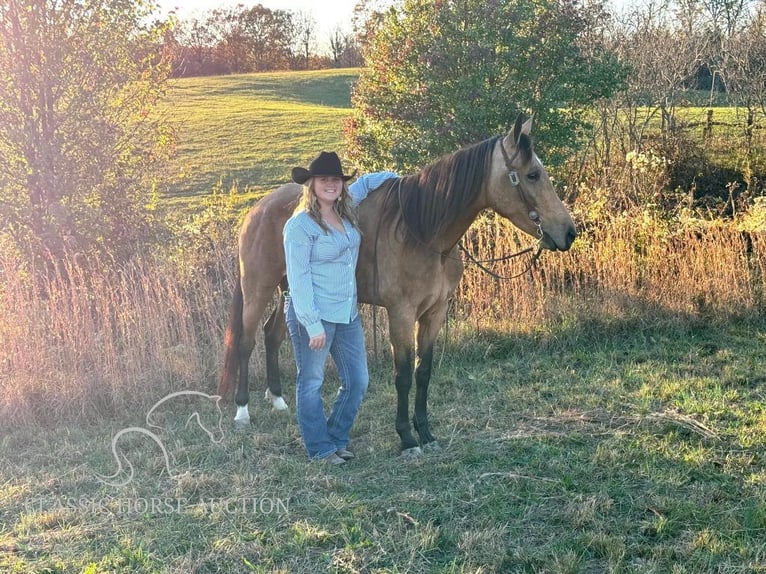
pixel 726 16
pixel 189 45
pixel 338 45
pixel 79 144
pixel 665 55
pixel 304 26
pixel 744 68
pixel 268 37
pixel 232 52
pixel 443 73
pixel 344 50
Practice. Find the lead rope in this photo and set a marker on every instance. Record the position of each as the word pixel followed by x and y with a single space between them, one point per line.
pixel 537 252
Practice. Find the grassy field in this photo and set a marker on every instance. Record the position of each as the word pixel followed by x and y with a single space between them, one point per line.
pixel 606 417
pixel 251 130
pixel 637 450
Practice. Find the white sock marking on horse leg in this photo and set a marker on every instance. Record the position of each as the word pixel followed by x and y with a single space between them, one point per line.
pixel 242 416
pixel 277 403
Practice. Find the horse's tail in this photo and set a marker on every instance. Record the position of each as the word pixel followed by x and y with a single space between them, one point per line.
pixel 231 343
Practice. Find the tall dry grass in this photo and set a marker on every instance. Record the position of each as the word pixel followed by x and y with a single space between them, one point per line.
pixel 96 340
pixel 631 262
pixel 99 340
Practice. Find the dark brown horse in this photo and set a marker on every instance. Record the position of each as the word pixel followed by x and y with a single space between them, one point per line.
pixel 408 263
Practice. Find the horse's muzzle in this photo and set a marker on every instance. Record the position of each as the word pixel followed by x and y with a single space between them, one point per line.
pixel 563 244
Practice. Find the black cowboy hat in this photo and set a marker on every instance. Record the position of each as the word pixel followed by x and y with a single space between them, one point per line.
pixel 327 163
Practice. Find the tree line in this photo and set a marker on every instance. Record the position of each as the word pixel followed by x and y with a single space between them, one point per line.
pixel 245 39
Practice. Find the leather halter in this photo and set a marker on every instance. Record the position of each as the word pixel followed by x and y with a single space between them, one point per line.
pixel 515 180
pixel 536 250
pixel 513 177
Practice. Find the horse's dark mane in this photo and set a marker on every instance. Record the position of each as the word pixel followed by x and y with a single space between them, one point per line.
pixel 435 197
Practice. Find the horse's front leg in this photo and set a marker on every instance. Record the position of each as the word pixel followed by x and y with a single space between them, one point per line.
pixel 274 333
pixel 428 329
pixel 403 345
pixel 423 365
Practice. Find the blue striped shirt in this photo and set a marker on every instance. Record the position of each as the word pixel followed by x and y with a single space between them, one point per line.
pixel 321 265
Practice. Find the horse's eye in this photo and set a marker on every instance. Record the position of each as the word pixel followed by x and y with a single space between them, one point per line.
pixel 533 175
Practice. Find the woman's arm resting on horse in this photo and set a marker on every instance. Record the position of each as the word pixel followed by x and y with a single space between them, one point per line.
pixel 368 182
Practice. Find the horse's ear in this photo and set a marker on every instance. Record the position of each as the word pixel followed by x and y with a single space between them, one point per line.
pixel 526 128
pixel 519 137
pixel 521 127
pixel 517 129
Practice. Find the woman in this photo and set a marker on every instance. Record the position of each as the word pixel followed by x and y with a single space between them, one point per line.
pixel 321 242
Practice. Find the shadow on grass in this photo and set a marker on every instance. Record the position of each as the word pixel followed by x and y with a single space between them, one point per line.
pixel 333 91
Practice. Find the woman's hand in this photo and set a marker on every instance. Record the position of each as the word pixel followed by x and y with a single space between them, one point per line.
pixel 316 343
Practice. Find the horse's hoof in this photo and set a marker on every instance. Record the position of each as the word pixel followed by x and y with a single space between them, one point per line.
pixel 413 453
pixel 277 403
pixel 432 446
pixel 241 425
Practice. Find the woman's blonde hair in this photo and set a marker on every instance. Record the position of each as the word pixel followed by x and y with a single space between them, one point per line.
pixel 342 206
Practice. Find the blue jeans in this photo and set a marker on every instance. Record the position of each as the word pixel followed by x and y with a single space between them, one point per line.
pixel 345 343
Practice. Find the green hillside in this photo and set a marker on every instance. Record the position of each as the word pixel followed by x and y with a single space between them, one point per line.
pixel 252 129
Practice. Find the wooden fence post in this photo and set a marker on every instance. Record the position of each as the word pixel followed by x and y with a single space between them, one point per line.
pixel 708 131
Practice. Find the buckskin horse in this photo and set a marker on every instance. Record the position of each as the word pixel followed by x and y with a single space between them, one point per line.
pixel 408 261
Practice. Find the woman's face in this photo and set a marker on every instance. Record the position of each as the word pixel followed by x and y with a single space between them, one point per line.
pixel 327 188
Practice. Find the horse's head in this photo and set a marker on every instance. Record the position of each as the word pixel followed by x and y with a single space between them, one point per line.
pixel 521 190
